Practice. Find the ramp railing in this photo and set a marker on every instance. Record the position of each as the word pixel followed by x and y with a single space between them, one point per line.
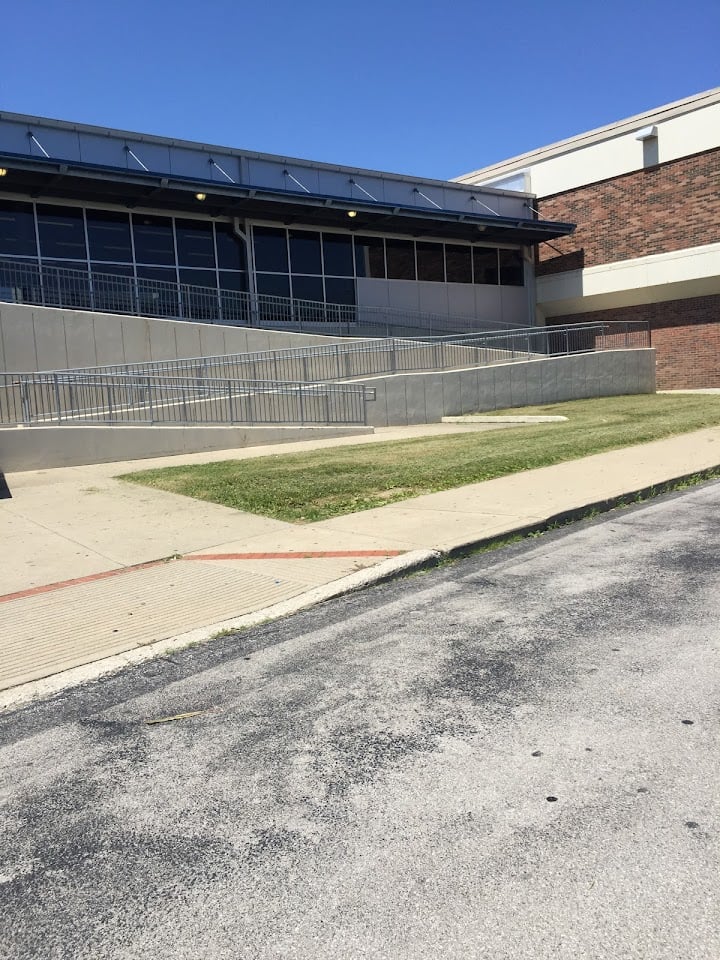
pixel 61 398
pixel 352 359
pixel 107 292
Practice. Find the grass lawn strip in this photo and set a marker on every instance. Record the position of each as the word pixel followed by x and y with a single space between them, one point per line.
pixel 306 487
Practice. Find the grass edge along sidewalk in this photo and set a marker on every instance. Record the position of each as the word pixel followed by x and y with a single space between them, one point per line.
pixel 319 484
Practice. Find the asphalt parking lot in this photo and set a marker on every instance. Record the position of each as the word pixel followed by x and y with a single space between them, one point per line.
pixel 511 756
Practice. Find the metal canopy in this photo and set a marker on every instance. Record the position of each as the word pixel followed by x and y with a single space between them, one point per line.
pixel 47 178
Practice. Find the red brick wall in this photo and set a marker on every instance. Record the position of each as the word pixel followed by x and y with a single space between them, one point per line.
pixel 685 334
pixel 654 210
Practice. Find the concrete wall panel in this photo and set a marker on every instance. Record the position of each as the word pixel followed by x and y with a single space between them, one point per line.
pixel 34 338
pixel 108 338
pixel 18 337
pixel 50 342
pixel 37 448
pixel 450 393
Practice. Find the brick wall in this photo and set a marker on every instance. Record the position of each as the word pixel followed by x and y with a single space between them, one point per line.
pixel 654 210
pixel 685 334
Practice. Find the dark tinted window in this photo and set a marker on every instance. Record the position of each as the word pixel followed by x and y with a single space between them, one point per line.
pixel 400 259
pixel 233 281
pixel 157 292
pixel 485 265
pixel 195 244
pixel 339 291
pixel 430 262
pixel 111 269
pixel 113 288
pixel 370 257
pixel 153 239
pixel 307 288
pixel 230 249
pixel 270 249
pixel 276 284
pixel 62 232
pixel 199 278
pixel 109 235
pixel 305 252
pixel 512 272
pixel 458 263
pixel 338 255
pixel 17 229
pixel 157 273
pixel 68 285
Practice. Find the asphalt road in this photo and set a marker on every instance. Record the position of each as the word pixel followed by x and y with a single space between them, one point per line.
pixel 513 756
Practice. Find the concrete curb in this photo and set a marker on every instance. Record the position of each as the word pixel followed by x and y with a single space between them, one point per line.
pixel 390 569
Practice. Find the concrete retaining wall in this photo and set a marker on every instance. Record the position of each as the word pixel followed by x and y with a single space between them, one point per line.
pixel 37 448
pixel 427 397
pixel 47 338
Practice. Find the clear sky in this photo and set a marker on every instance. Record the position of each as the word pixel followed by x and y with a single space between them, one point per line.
pixel 429 87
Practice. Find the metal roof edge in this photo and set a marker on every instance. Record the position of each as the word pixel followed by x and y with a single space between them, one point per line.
pixel 136 137
pixel 597 135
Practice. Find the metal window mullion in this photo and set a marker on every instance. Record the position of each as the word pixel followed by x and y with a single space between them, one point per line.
pixel 134 278
pixel 290 274
pixel 217 272
pixel 41 272
pixel 177 270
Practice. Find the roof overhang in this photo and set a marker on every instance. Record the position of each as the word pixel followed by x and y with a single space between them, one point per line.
pixel 41 178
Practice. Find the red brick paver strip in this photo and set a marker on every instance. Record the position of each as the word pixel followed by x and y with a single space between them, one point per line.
pixel 90 578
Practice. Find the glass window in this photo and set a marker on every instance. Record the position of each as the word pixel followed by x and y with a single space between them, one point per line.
pixel 305 252
pixel 199 278
pixel 230 248
pixel 164 275
pixel 234 280
pixel 307 288
pixel 370 257
pixel 66 284
pixel 273 284
pixel 153 239
pixel 158 292
pixel 109 236
pixel 113 288
pixel 62 232
pixel 17 229
pixel 458 263
pixel 512 270
pixel 338 255
pixel 430 262
pixel 270 249
pixel 111 269
pixel 195 244
pixel 339 291
pixel 20 280
pixel 400 259
pixel 485 265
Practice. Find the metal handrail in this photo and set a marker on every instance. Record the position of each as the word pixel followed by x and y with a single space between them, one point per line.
pixel 347 360
pixel 65 287
pixel 82 398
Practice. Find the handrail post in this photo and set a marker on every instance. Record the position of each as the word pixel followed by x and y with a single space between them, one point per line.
pixel 57 398
pixel 231 406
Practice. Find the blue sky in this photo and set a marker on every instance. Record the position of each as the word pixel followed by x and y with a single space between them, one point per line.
pixel 429 87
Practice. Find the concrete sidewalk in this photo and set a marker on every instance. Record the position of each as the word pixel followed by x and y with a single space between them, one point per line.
pixel 96 573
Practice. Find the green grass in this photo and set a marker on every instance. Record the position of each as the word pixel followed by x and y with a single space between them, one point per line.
pixel 305 487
